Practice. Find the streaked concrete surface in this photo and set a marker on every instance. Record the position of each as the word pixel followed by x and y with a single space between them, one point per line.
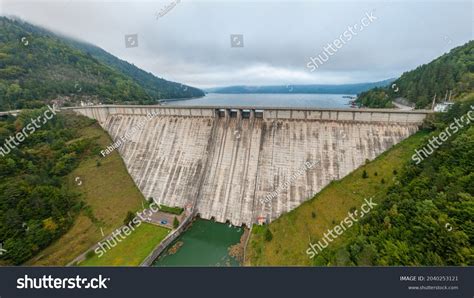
pixel 224 166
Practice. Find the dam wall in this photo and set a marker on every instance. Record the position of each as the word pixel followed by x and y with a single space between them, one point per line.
pixel 242 164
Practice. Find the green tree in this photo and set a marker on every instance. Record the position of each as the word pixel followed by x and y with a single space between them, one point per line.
pixel 129 218
pixel 364 174
pixel 268 235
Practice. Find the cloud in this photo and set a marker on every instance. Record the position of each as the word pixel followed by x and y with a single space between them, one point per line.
pixel 191 42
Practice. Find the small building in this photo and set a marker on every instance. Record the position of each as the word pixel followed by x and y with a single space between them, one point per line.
pixel 443 106
pixel 261 220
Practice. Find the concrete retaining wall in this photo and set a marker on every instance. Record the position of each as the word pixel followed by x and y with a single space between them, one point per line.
pixel 158 250
pixel 224 166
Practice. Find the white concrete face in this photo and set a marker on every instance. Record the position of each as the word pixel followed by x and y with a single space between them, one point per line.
pixel 226 166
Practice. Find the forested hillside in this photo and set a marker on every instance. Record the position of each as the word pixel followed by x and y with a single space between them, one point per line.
pixel 451 73
pixel 426 217
pixel 35 205
pixel 157 88
pixel 37 66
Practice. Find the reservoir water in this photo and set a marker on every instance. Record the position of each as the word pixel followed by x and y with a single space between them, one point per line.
pixel 329 101
pixel 205 243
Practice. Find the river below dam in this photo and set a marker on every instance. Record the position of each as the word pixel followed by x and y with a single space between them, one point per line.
pixel 205 243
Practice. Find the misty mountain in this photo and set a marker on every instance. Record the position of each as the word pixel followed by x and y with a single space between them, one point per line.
pixel 38 66
pixel 308 89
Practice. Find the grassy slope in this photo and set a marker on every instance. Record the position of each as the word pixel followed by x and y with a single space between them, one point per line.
pixel 108 190
pixel 132 250
pixel 293 231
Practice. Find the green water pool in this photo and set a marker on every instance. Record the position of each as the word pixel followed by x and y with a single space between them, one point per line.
pixel 205 243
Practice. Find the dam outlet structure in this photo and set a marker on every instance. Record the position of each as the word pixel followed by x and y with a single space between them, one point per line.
pixel 244 165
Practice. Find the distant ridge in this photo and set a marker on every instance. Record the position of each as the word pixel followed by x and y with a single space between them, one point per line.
pixel 308 89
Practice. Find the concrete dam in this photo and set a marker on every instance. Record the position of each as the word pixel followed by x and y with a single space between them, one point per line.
pixel 245 164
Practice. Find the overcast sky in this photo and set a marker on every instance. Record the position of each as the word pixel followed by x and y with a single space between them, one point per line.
pixel 191 42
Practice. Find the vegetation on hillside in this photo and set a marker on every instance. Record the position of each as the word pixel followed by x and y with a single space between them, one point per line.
pixel 156 88
pixel 452 73
pixel 426 217
pixel 35 205
pixel 37 66
pixel 375 98
pixel 109 193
